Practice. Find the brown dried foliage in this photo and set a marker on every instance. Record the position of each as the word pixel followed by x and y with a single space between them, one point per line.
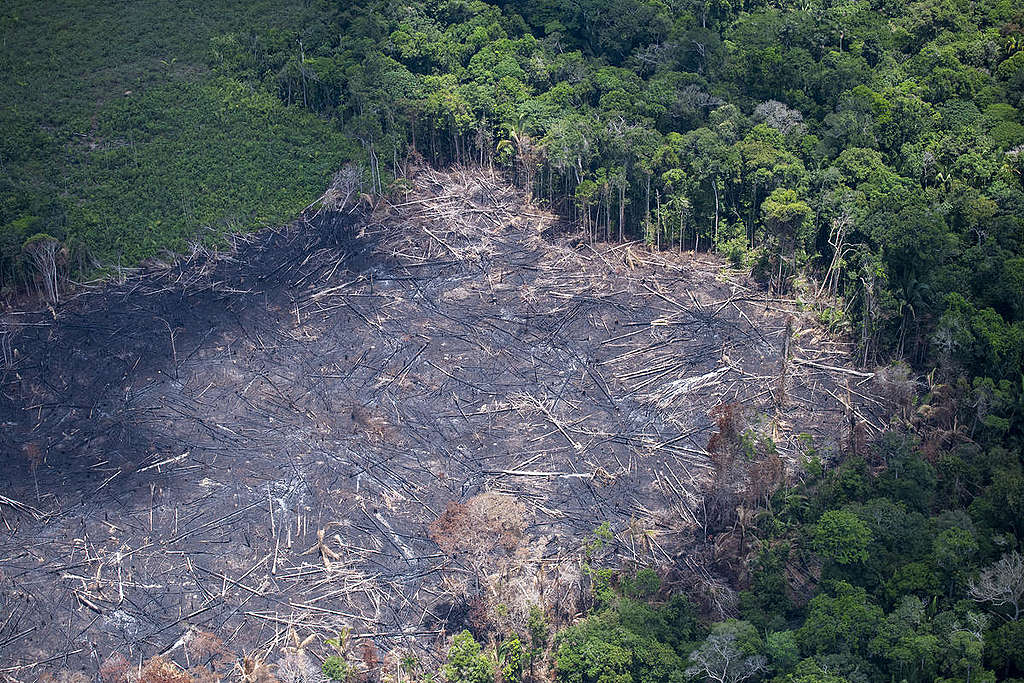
pixel 200 675
pixel 765 476
pixel 729 418
pixel 483 524
pixel 857 438
pixel 207 648
pixel 370 654
pixel 64 677
pixel 936 421
pixel 252 669
pixel 115 669
pixel 162 670
pixel 479 616
pixel 371 660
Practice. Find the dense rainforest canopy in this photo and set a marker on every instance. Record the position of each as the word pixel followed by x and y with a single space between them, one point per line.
pixel 866 155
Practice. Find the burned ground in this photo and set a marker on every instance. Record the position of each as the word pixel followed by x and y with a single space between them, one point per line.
pixel 273 437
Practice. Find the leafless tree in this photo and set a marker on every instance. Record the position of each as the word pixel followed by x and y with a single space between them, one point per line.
pixel 47 255
pixel 344 186
pixel 654 57
pixel 720 659
pixel 297 667
pixel 1001 584
pixel 779 116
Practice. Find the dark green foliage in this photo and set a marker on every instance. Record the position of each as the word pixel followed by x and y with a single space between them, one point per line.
pixel 841 620
pixel 466 664
pixel 810 671
pixel 627 641
pixel 1004 649
pixel 642 586
pixel 766 603
pixel 335 668
pixel 842 538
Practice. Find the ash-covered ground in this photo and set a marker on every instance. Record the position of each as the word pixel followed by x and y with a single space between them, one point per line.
pixel 268 439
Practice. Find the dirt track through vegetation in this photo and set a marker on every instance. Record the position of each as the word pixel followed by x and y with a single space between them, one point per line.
pixel 261 439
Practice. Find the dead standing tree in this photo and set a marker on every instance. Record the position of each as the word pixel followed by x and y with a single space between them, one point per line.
pixel 1001 584
pixel 344 186
pixel 48 255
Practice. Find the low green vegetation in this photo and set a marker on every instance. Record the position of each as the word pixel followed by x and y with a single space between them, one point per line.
pixel 121 142
pixel 466 663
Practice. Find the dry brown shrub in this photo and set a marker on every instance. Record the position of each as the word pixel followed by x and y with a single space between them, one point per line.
pixel 485 523
pixel 207 648
pixel 253 669
pixel 729 419
pixel 65 677
pixel 297 667
pixel 764 477
pixel 161 670
pixel 370 654
pixel 936 421
pixel 725 449
pixel 857 437
pixel 479 616
pixel 201 675
pixel 115 669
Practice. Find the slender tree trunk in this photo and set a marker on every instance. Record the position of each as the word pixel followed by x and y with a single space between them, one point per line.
pixel 714 186
pixel 647 213
pixel 302 71
pixel 750 227
pixel 608 216
pixel 622 209
pixel 657 237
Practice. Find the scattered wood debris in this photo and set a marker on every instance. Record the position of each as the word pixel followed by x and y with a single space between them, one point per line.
pixel 257 442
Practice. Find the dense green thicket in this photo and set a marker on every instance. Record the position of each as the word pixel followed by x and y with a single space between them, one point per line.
pixel 118 140
pixel 906 548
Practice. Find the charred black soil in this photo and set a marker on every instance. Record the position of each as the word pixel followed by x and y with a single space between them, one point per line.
pixel 268 438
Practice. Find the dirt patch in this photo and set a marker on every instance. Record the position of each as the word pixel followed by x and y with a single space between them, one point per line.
pixel 258 441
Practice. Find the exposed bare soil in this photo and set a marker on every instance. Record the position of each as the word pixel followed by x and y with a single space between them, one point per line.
pixel 267 438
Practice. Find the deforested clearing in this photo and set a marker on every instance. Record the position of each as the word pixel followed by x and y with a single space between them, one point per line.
pixel 397 420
